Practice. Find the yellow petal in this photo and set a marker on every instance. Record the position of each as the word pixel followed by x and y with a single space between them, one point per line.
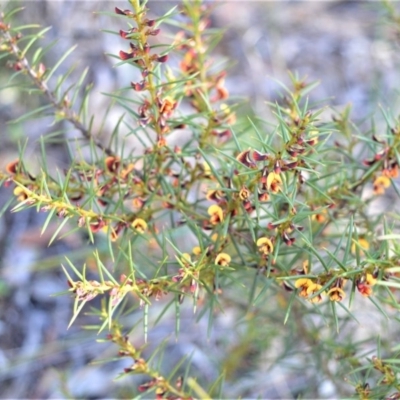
pixel 216 210
pixel 370 279
pixel 223 259
pixel 139 224
pixel 196 250
pixel 303 282
pixel 382 181
pixel 265 245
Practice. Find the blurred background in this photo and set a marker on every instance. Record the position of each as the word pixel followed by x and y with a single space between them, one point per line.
pixel 349 46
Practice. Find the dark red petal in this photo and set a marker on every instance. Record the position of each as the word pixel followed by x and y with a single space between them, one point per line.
pixel 138 86
pixel 12 167
pixel 163 58
pixel 119 11
pixel 123 34
pixel 154 32
pixel 257 156
pixel 125 56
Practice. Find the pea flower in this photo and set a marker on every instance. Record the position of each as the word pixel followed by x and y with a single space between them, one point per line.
pixel 223 259
pixel 365 283
pixel 139 225
pixel 265 245
pixel 311 290
pixel 304 284
pixel 381 183
pixel 274 182
pixel 216 214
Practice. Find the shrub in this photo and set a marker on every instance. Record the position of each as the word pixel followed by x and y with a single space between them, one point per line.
pixel 184 206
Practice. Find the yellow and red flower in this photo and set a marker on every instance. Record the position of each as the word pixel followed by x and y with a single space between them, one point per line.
pixel 274 182
pixel 365 284
pixel 216 214
pixel 381 183
pixel 265 246
pixel 312 290
pixel 223 259
pixel 139 225
pixel 303 284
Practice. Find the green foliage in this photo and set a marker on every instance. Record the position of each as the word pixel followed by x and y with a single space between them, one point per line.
pixel 271 218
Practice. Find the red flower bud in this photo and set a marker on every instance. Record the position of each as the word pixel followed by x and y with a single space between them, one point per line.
pixel 123 12
pixel 139 86
pixel 153 32
pixel 163 58
pixel 125 56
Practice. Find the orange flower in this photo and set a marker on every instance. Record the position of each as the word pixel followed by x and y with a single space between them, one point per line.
pixel 394 172
pixel 265 245
pixel 112 163
pixel 168 105
pixel 321 216
pixel 391 172
pixel 12 167
pixel 365 283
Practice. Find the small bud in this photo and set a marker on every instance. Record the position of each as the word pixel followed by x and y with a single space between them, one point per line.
pixel 4 27
pixel 13 167
pixel 112 163
pixel 124 34
pixel 257 156
pixel 125 56
pixel 153 32
pixel 41 70
pixel 163 58
pixel 96 226
pixel 138 86
pixel 123 12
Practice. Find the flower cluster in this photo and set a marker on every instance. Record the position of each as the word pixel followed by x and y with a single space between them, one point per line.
pixel 313 289
pixel 200 266
pixel 86 290
pixel 157 110
pixel 203 88
pixel 106 182
pixel 162 387
pixel 388 164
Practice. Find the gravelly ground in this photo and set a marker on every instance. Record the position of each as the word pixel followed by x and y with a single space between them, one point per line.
pixel 341 43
